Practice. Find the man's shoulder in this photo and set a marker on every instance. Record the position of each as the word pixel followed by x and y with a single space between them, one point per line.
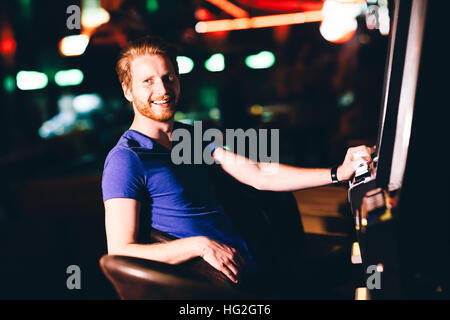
pixel 122 155
pixel 124 150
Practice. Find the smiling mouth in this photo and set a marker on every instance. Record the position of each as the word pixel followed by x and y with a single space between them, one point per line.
pixel 162 102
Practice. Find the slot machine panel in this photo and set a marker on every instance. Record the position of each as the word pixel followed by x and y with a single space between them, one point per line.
pixel 398 209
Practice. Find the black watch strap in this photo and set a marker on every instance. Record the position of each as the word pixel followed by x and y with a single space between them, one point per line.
pixel 334 178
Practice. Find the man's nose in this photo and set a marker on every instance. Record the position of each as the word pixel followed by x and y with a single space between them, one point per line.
pixel 161 87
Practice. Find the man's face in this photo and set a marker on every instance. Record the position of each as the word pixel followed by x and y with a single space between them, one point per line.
pixel 155 88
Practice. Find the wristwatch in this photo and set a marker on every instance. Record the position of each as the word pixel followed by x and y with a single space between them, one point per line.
pixel 334 178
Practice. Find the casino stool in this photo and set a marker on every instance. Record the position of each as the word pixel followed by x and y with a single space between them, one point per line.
pixel 141 279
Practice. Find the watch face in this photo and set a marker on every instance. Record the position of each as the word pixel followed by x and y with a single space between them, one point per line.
pixel 334 175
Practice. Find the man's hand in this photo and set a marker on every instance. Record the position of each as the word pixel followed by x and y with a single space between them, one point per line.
pixel 352 158
pixel 222 257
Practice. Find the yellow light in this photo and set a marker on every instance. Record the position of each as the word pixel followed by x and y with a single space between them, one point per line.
pixel 258 22
pixel 339 19
pixel 364 222
pixel 338 30
pixel 256 109
pixel 362 294
pixel 93 17
pixel 73 45
pixel 356 254
pixel 230 8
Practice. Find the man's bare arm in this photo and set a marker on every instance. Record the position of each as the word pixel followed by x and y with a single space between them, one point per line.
pixel 122 225
pixel 281 177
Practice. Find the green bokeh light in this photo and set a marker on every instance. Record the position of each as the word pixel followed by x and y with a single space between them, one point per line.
pixel 215 63
pixel 152 5
pixel 31 80
pixel 262 60
pixel 72 77
pixel 9 84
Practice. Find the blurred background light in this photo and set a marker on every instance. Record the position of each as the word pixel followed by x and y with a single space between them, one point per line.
pixel 208 96
pixel 343 8
pixel 380 267
pixel 384 21
pixel 258 22
pixel 93 17
pixel 338 31
pixel 72 77
pixel 7 45
pixel 203 14
pixel 377 17
pixel 92 14
pixel 9 84
pixel 31 80
pixel 372 17
pixel 215 63
pixel 25 8
pixel 256 109
pixel 73 115
pixel 262 60
pixel 178 116
pixel 339 19
pixel 346 99
pixel 230 8
pixel 73 45
pixel 214 114
pixel 185 64
pixel 85 103
pixel 62 122
pixel 152 5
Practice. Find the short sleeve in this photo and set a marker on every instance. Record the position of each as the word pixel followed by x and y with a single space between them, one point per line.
pixel 123 175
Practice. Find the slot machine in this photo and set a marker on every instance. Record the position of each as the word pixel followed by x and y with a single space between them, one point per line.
pixel 398 201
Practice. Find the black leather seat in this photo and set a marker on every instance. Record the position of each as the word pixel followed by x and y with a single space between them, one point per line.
pixel 137 279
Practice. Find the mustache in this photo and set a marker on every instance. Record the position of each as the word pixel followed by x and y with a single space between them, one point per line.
pixel 159 98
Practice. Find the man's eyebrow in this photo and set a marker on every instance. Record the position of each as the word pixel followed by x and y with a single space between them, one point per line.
pixel 148 77
pixel 153 76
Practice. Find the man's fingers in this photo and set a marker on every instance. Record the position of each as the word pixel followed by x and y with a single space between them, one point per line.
pixel 361 152
pixel 225 259
pixel 232 267
pixel 236 263
pixel 225 269
pixel 368 151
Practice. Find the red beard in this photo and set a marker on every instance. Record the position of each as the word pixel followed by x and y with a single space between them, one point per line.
pixel 155 112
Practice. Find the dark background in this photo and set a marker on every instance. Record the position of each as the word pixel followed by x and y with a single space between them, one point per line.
pixel 323 96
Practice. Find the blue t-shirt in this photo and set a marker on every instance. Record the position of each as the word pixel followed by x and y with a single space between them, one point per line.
pixel 179 196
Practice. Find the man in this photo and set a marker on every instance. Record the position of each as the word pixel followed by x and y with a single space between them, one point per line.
pixel 139 173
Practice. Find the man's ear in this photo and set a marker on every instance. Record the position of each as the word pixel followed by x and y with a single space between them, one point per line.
pixel 127 92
